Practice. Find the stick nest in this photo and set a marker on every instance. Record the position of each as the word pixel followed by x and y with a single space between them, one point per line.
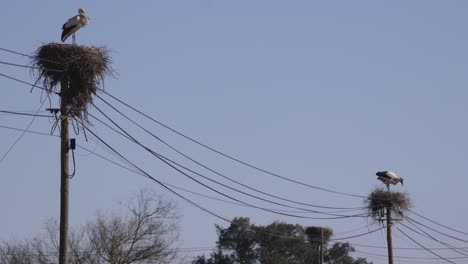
pixel 314 234
pixel 82 68
pixel 380 199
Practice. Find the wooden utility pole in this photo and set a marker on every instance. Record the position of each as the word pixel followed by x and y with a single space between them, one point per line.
pixel 64 172
pixel 321 247
pixel 389 235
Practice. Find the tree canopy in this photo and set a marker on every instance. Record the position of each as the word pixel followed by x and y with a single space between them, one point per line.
pixel 278 243
pixel 145 234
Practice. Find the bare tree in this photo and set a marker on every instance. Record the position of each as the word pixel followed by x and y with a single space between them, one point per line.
pixel 145 234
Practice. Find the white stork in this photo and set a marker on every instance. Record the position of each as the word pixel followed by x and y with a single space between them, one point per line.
pixel 74 24
pixel 389 177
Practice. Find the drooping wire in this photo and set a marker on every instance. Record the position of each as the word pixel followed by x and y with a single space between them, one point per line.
pixel 27 66
pixel 408 248
pixel 424 233
pixel 28 131
pixel 229 156
pixel 24 132
pixel 22 113
pixel 141 172
pixel 422 246
pixel 439 224
pixel 214 171
pixel 176 166
pixel 29 56
pixel 156 180
pixel 434 230
pixel 30 84
pixel 70 176
pixel 93 152
pixel 407 257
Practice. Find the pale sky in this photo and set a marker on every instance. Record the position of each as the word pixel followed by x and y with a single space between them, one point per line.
pixel 322 92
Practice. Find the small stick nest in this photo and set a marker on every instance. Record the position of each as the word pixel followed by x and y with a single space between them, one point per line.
pixel 82 68
pixel 380 199
pixel 314 234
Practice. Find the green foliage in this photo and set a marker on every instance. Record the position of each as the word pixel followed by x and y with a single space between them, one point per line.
pixel 277 243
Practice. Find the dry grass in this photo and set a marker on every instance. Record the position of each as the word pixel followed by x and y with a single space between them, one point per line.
pixel 83 68
pixel 380 199
pixel 314 233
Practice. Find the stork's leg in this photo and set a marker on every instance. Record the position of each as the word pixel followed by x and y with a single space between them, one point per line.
pixel 73 39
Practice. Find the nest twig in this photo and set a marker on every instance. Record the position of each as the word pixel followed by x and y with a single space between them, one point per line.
pixel 380 199
pixel 82 69
pixel 314 234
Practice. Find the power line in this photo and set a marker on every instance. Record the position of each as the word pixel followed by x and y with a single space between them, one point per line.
pixel 183 189
pixel 434 230
pixel 30 84
pixel 427 249
pixel 433 238
pixel 174 165
pixel 143 173
pixel 229 156
pixel 156 180
pixel 214 171
pixel 26 55
pixel 23 113
pixel 27 66
pixel 407 257
pixel 22 134
pixel 439 224
pixel 407 248
pixel 27 131
pixel 17 53
pixel 147 175
pixel 173 250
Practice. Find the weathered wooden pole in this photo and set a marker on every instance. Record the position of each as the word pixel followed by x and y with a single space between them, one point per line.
pixel 79 70
pixel 321 248
pixel 389 233
pixel 64 173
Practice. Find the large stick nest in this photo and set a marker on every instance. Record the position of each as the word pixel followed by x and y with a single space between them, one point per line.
pixel 314 234
pixel 82 68
pixel 377 202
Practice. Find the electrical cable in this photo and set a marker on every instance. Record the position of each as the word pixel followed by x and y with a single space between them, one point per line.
pixel 26 55
pixel 22 134
pixel 174 186
pixel 229 156
pixel 22 113
pixel 433 238
pixel 176 167
pixel 27 131
pixel 427 249
pixel 30 84
pixel 407 248
pixel 159 157
pixel 27 66
pixel 143 173
pixel 439 224
pixel 157 181
pixel 408 257
pixel 214 171
pixel 434 230
pixel 147 175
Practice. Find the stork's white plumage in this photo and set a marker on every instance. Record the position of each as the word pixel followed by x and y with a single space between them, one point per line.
pixel 389 177
pixel 74 24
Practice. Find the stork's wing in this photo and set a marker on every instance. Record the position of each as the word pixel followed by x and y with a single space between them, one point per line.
pixel 384 174
pixel 72 22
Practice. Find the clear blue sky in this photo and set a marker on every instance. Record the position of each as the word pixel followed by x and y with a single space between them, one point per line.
pixel 322 92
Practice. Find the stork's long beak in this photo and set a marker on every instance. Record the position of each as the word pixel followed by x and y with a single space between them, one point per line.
pixel 401 182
